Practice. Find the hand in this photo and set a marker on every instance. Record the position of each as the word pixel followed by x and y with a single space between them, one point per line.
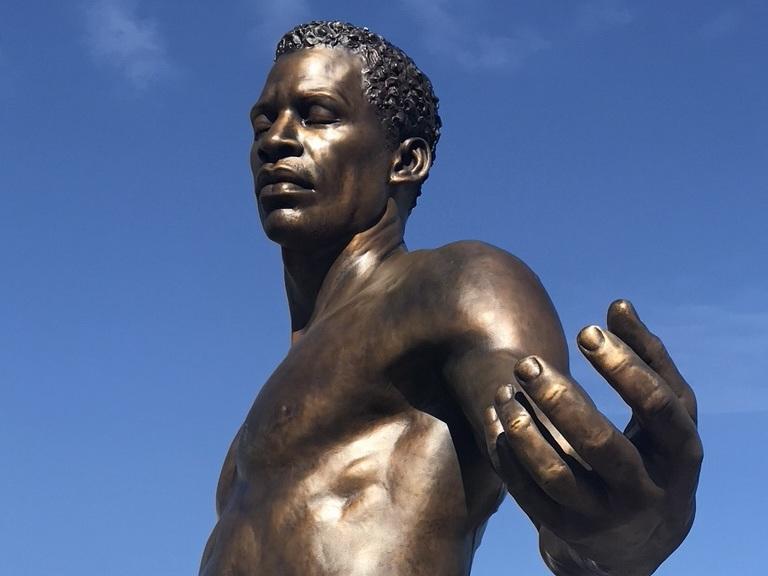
pixel 625 501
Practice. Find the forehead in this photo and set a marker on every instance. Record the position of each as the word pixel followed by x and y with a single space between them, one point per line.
pixel 318 69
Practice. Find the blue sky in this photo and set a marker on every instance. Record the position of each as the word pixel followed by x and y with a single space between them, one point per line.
pixel 618 147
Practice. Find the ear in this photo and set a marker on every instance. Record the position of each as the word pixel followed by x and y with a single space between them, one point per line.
pixel 411 162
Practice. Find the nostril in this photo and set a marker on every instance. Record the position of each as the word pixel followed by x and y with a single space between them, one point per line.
pixel 273 149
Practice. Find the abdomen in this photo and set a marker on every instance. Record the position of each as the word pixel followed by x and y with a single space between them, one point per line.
pixel 389 501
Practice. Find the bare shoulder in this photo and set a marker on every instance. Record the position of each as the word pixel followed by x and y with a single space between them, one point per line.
pixel 496 298
pixel 468 258
pixel 475 269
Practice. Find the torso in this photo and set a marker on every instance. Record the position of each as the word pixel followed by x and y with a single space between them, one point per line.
pixel 354 459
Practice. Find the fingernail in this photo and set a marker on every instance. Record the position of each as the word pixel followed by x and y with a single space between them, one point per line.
pixel 528 369
pixel 626 307
pixel 504 394
pixel 591 338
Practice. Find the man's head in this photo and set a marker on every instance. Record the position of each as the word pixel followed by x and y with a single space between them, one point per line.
pixel 402 94
pixel 331 146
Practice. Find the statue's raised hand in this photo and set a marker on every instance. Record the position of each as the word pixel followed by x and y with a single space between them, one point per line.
pixel 625 501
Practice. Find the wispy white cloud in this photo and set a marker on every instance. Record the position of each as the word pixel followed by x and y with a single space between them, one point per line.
pixel 132 45
pixel 722 351
pixel 449 37
pixel 273 19
pixel 721 25
pixel 599 15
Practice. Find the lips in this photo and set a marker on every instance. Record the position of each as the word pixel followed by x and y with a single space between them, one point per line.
pixel 286 178
pixel 283 188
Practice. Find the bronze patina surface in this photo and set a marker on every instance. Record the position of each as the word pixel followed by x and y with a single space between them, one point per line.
pixel 422 386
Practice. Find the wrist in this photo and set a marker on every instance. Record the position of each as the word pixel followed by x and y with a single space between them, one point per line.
pixel 616 556
pixel 563 560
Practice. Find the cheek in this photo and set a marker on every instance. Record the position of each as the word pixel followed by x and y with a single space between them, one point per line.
pixel 350 163
pixel 353 144
pixel 370 161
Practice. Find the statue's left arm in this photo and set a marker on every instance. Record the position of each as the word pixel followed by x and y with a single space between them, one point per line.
pixel 605 502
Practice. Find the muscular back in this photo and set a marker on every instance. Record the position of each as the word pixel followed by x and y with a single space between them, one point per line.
pixel 361 454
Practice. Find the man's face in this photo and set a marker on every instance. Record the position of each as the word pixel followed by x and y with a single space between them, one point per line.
pixel 320 158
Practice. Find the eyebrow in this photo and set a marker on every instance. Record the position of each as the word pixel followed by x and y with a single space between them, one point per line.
pixel 309 94
pixel 329 94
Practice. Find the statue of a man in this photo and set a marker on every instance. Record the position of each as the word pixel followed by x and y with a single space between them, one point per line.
pixel 420 386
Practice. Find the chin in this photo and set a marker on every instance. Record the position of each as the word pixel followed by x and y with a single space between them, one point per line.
pixel 290 229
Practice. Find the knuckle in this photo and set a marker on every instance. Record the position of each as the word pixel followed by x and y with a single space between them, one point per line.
pixel 599 441
pixel 554 475
pixel 517 424
pixel 660 404
pixel 619 364
pixel 553 394
pixel 656 349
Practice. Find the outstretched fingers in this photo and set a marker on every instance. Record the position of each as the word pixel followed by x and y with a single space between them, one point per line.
pixel 624 322
pixel 548 468
pixel 660 412
pixel 539 507
pixel 611 455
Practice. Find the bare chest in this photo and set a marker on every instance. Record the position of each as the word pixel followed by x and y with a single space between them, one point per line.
pixel 334 386
pixel 331 448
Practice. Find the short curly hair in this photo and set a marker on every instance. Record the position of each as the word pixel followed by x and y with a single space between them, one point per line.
pixel 402 94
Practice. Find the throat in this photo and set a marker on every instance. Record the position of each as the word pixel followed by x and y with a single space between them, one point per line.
pixel 318 283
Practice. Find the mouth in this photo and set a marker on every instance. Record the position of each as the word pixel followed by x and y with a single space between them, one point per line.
pixel 283 195
pixel 273 181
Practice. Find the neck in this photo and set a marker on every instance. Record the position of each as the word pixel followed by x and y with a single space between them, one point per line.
pixel 316 281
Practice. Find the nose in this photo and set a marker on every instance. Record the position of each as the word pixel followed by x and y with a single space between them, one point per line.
pixel 281 140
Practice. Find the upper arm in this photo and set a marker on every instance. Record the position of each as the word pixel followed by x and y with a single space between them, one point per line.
pixel 500 313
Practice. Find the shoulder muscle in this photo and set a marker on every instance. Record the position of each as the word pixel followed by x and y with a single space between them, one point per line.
pixel 496 302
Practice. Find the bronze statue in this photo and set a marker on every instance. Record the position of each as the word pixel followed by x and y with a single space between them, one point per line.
pixel 420 386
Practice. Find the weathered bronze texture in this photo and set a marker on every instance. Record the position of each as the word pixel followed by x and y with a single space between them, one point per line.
pixel 420 386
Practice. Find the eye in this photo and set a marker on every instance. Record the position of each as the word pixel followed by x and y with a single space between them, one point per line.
pixel 316 114
pixel 260 125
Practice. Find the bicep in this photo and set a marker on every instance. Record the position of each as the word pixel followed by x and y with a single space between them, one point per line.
pixel 506 315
